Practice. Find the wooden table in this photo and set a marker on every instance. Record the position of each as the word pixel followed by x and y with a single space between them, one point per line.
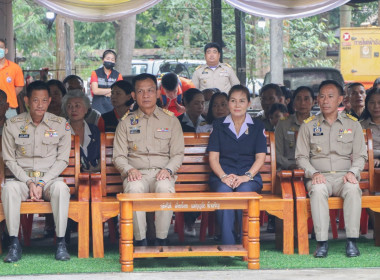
pixel 188 202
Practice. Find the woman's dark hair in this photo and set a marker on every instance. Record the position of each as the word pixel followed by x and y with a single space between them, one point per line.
pixel 301 88
pixel 210 117
pixel 373 91
pixel 242 88
pixel 59 85
pixel 376 82
pixel 36 85
pixel 189 95
pixel 277 107
pixel 107 52
pixel 127 88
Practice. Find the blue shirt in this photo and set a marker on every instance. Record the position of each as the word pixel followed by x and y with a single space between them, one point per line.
pixel 237 153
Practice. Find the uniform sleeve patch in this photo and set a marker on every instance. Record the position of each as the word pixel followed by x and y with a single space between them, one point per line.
pixel 67 127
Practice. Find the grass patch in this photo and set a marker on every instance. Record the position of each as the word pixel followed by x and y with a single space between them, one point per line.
pixel 40 260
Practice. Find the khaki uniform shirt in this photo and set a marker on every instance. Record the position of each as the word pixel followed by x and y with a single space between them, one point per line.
pixel 223 77
pixel 44 148
pixel 285 135
pixel 267 125
pixel 375 128
pixel 145 142
pixel 324 148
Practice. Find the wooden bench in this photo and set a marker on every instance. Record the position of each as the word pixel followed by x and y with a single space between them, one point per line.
pixel 79 209
pixel 303 209
pixel 193 176
pixel 249 202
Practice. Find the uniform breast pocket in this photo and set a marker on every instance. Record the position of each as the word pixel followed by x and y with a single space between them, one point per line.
pixel 345 144
pixel 319 146
pixel 23 147
pixel 49 146
pixel 134 141
pixel 162 141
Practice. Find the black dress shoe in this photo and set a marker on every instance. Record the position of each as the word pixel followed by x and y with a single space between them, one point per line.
pixel 322 249
pixel 351 249
pixel 14 253
pixel 141 242
pixel 271 227
pixel 62 254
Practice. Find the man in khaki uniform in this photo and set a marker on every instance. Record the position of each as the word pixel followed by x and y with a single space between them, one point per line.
pixel 214 74
pixel 331 150
pixel 148 150
pixel 36 149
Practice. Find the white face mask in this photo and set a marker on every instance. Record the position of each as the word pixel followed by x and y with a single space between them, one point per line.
pixel 2 53
pixel 207 104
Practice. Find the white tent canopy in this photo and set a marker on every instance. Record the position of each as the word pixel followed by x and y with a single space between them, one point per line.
pixel 109 10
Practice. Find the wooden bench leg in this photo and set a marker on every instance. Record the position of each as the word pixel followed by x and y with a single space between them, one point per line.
pixel 253 240
pixel 334 228
pixel 302 227
pixel 179 225
pixel 97 231
pixel 364 221
pixel 84 231
pixel 126 238
pixel 288 228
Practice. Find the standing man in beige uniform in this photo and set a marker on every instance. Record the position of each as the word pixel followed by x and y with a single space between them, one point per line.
pixel 36 149
pixel 214 74
pixel 148 150
pixel 331 150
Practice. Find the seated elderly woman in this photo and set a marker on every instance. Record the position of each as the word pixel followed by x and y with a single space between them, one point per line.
pixel 75 105
pixel 237 148
pixel 218 108
pixel 121 99
pixel 287 128
pixel 372 121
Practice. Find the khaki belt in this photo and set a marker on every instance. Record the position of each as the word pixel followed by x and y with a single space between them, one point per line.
pixel 35 174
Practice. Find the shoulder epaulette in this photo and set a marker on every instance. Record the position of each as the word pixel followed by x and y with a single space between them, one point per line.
pixel 166 111
pixel 228 65
pixel 125 115
pixel 17 119
pixel 309 119
pixel 56 119
pixel 352 117
pixel 198 67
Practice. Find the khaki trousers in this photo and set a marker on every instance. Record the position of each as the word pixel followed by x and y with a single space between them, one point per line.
pixel 319 194
pixel 55 191
pixel 149 184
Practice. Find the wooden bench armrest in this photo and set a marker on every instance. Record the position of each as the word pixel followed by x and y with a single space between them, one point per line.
pixel 84 187
pixel 285 177
pixel 298 183
pixel 96 187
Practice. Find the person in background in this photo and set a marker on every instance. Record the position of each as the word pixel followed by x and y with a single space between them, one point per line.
pixel 148 150
pixel 269 94
pixel 356 97
pixel 171 89
pixel 36 149
pixel 121 98
pixel 194 103
pixel 4 105
pixel 331 149
pixel 11 79
pixel 372 121
pixel 376 83
pixel 72 82
pixel 237 149
pixel 277 111
pixel 218 108
pixel 208 93
pixel 286 129
pixel 101 81
pixel 214 74
pixel 57 91
pixel 346 98
pixel 75 105
pixel 288 99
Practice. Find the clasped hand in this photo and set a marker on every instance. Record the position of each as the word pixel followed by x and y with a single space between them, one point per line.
pixel 35 193
pixel 234 181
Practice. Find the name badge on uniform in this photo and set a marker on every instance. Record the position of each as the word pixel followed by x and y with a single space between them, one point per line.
pixel 163 129
pixel 317 131
pixel 290 132
pixel 134 130
pixel 23 135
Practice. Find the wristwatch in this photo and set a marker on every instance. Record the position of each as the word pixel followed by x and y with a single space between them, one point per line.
pixel 249 174
pixel 170 171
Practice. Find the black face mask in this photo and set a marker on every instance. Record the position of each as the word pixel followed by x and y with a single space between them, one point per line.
pixel 108 65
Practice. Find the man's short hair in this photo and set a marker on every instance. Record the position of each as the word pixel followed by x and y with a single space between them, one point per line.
pixel 72 77
pixel 36 85
pixel 277 107
pixel 275 87
pixel 142 77
pixel 4 42
pixel 58 84
pixel 3 95
pixel 213 45
pixel 352 85
pixel 334 83
pixel 169 81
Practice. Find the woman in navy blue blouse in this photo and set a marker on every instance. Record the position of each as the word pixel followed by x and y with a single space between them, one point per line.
pixel 237 148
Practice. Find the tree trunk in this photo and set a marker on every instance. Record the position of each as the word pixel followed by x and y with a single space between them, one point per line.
pixel 378 14
pixel 186 35
pixel 64 46
pixel 345 16
pixel 6 27
pixel 125 43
